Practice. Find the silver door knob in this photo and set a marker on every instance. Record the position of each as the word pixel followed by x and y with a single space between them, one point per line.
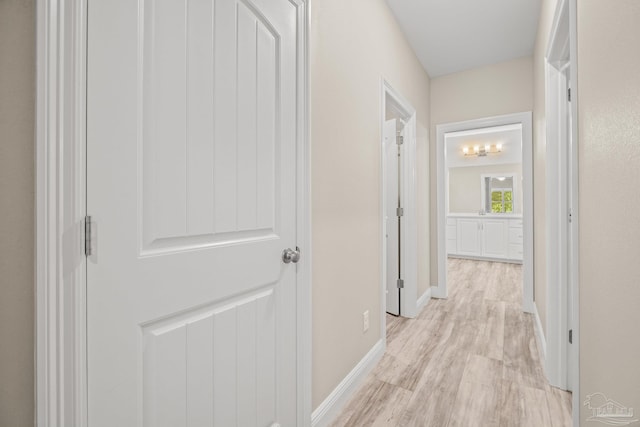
pixel 289 255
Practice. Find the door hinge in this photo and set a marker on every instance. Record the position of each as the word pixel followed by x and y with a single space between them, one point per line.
pixel 400 283
pixel 570 215
pixel 87 236
pixel 569 94
pixel 570 336
pixel 399 211
pixel 399 139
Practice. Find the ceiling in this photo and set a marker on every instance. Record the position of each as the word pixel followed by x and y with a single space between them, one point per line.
pixel 455 35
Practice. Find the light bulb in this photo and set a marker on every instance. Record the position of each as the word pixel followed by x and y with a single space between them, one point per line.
pixel 465 150
pixel 499 147
pixel 476 148
pixel 487 148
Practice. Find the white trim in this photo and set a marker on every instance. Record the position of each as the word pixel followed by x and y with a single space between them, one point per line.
pixel 557 228
pixel 575 277
pixel 562 364
pixel 409 228
pixel 61 391
pixel 333 404
pixel 60 209
pixel 486 258
pixel 540 339
pixel 440 288
pixel 422 301
pixel 303 229
pixel 557 209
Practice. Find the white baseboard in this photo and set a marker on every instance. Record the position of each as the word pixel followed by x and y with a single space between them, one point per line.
pixel 331 406
pixel 423 300
pixel 436 292
pixel 542 342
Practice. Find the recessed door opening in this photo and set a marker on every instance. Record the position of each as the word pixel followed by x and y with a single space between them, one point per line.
pixel 484 208
pixel 485 198
pixel 398 207
pixel 393 137
pixel 562 332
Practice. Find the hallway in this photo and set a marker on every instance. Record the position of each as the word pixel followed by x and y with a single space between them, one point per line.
pixel 469 360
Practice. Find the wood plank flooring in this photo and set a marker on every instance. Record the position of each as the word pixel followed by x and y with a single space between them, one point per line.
pixel 469 360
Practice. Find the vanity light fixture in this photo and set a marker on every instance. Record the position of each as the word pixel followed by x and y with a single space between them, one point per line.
pixel 483 150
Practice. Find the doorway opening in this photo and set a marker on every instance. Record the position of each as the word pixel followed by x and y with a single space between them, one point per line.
pixel 394 131
pixel 398 206
pixel 561 364
pixel 485 196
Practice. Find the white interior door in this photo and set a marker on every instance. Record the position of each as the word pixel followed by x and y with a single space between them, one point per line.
pixel 391 217
pixel 191 183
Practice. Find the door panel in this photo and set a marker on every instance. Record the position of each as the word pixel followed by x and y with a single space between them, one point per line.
pixel 191 142
pixel 393 235
pixel 190 361
pixel 206 190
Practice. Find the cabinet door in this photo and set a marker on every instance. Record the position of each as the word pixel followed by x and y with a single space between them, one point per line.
pixel 452 240
pixel 495 238
pixel 469 242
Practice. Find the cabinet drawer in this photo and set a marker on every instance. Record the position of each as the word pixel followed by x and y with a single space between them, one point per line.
pixel 515 236
pixel 515 223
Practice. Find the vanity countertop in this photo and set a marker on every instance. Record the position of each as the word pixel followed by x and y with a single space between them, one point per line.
pixel 489 215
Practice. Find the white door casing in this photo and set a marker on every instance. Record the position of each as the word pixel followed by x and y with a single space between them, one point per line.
pixel 561 364
pixel 391 101
pixel 191 143
pixel 391 160
pixel 439 289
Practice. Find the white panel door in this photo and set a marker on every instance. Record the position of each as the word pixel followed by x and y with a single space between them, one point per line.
pixel 495 239
pixel 191 183
pixel 392 221
pixel 469 238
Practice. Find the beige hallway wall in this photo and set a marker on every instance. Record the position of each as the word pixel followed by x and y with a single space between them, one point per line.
pixel 608 99
pixel 493 90
pixel 17 188
pixel 547 11
pixel 353 45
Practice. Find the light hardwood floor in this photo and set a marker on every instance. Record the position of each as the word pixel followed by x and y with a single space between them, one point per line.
pixel 469 360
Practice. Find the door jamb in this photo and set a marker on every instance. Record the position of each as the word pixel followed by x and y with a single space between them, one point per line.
pixel 409 229
pixel 561 53
pixel 60 264
pixel 525 119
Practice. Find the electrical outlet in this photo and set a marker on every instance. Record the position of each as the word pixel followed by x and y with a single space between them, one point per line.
pixel 365 321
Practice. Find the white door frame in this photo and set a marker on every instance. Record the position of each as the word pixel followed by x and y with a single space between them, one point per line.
pixel 561 364
pixel 409 227
pixel 524 119
pixel 61 359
